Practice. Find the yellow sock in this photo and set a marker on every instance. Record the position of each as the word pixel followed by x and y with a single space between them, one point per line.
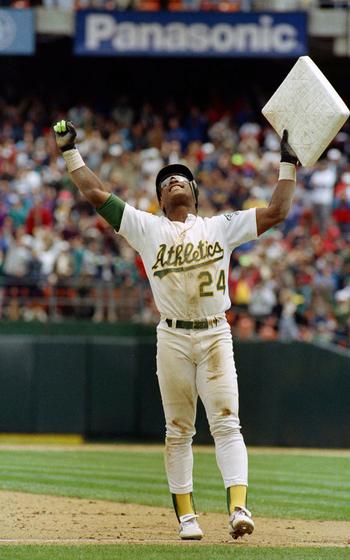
pixel 236 497
pixel 183 504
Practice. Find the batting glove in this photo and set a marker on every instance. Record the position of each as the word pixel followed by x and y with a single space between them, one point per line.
pixel 65 135
pixel 287 153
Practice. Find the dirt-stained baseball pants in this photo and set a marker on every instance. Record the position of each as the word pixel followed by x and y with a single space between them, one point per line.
pixel 192 363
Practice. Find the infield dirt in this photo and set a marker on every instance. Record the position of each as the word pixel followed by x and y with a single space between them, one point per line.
pixel 36 518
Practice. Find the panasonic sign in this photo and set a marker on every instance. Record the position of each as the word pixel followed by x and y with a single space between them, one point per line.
pixel 201 34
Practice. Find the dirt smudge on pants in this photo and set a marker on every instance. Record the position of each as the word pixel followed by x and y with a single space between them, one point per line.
pixel 180 425
pixel 215 366
pixel 226 412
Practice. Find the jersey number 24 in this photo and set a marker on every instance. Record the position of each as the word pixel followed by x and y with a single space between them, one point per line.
pixel 206 283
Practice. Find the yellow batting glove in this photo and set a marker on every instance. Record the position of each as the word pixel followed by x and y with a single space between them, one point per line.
pixel 65 135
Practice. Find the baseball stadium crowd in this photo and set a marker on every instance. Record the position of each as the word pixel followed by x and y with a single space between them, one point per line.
pixel 173 5
pixel 59 259
pixel 142 5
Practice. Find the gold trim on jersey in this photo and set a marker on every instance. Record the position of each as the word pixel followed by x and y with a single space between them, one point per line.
pixel 176 257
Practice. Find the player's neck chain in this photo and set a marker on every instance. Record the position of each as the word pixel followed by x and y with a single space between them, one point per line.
pixel 181 237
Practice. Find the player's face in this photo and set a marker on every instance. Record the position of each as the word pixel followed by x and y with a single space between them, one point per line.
pixel 173 179
pixel 175 189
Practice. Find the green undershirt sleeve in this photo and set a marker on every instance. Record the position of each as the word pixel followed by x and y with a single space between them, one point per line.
pixel 112 211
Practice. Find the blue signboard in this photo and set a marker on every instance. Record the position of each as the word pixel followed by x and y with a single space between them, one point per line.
pixel 191 34
pixel 16 32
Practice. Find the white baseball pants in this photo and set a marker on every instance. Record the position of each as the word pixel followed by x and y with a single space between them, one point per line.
pixel 192 363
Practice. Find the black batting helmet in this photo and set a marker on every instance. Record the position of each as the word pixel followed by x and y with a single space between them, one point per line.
pixel 177 169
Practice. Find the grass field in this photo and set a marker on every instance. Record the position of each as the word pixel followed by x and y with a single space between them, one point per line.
pixel 130 552
pixel 281 485
pixel 284 485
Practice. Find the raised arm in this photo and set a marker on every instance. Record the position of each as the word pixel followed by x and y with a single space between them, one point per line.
pixel 282 197
pixel 108 205
pixel 87 182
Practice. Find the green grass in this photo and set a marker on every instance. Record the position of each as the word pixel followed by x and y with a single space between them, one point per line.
pixel 186 552
pixel 281 485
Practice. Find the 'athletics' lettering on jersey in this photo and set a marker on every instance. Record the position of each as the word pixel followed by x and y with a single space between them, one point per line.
pixel 177 257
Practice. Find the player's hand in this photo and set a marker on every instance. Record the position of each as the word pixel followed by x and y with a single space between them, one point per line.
pixel 287 153
pixel 65 135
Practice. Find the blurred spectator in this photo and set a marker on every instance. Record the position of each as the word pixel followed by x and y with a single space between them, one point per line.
pixel 18 256
pixel 322 182
pixel 38 216
pixel 288 329
pixel 262 300
pixel 245 328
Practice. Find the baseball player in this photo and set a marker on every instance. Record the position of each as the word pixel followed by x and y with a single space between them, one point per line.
pixel 187 258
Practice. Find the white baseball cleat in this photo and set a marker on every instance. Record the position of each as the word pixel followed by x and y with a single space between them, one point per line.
pixel 189 528
pixel 241 523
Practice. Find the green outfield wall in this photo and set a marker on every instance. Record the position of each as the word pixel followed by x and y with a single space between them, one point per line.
pixel 101 386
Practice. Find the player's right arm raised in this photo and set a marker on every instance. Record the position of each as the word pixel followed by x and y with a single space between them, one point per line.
pixel 109 206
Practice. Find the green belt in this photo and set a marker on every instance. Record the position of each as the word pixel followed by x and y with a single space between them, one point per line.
pixel 179 324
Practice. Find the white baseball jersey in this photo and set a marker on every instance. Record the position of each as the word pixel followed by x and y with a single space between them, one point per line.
pixel 187 263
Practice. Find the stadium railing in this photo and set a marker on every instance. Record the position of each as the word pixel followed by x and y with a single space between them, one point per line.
pixel 74 298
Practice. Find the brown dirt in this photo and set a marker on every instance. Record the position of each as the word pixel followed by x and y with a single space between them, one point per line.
pixel 33 518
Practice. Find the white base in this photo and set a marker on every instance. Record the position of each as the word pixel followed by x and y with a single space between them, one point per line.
pixel 308 106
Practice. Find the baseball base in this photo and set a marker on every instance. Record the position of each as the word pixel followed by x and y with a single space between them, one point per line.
pixel 308 106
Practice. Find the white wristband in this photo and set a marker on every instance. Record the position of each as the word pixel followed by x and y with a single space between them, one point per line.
pixel 73 159
pixel 287 172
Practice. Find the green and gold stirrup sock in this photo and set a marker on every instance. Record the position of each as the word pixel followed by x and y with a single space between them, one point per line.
pixel 236 497
pixel 183 504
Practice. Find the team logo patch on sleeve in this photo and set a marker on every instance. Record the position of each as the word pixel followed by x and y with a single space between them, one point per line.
pixel 229 215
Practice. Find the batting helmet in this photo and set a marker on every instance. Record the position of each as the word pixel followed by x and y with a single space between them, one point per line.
pixel 177 169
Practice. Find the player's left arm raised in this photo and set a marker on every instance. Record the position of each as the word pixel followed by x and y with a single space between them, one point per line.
pixel 281 200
